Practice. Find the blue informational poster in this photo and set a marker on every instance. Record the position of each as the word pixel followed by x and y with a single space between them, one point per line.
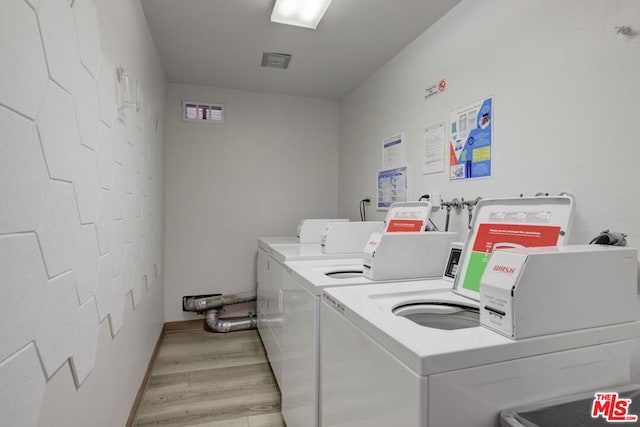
pixel 471 137
pixel 392 187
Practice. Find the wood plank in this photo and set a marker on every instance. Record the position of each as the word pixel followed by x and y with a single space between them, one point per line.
pixel 213 405
pixel 206 379
pixel 199 362
pixel 267 420
pixel 183 326
pixel 236 422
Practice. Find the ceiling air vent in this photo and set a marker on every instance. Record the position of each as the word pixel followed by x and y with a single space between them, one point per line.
pixel 276 60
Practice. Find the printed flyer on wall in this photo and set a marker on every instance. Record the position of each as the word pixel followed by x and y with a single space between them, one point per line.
pixel 392 187
pixel 392 152
pixel 491 237
pixel 433 149
pixel 470 140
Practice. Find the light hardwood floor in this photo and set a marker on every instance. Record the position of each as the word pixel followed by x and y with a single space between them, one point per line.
pixel 203 379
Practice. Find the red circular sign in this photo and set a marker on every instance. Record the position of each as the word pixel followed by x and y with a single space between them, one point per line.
pixel 442 85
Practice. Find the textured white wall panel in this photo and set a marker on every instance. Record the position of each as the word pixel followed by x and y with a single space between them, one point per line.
pixel 105 222
pixel 59 134
pixel 23 70
pixel 58 228
pixel 137 191
pixel 138 153
pixel 130 168
pixel 86 341
pixel 60 42
pixel 141 116
pixel 86 263
pixel 117 247
pixel 119 140
pixel 105 287
pixel 138 286
pixel 57 160
pixel 136 240
pixel 129 267
pixel 118 191
pixel 34 3
pixel 147 222
pixel 87 110
pixel 58 320
pixel 24 282
pixel 145 256
pixel 106 79
pixel 105 155
pixel 22 390
pixel 129 218
pixel 118 301
pixel 23 173
pixel 87 185
pixel 86 20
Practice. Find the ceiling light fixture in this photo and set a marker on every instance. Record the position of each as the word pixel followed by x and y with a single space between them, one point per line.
pixel 301 13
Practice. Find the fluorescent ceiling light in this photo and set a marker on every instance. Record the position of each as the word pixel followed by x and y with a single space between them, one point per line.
pixel 301 13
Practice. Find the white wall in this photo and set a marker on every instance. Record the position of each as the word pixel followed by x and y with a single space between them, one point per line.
pixel 565 89
pixel 566 92
pixel 271 163
pixel 81 234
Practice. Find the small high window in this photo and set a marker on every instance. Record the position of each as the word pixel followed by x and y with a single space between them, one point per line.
pixel 202 112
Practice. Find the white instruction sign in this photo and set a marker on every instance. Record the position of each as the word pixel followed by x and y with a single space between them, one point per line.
pixel 392 187
pixel 433 149
pixel 392 151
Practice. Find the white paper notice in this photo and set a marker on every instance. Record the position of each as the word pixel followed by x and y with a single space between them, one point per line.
pixel 392 187
pixel 434 144
pixel 392 152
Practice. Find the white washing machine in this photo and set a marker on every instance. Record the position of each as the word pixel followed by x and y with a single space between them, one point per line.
pixel 303 284
pixel 381 366
pixel 380 369
pixel 270 275
pixel 338 239
pixel 307 236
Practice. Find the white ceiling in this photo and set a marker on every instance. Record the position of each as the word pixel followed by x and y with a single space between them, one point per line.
pixel 220 43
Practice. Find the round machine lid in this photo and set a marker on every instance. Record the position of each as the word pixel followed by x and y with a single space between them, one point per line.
pixel 344 274
pixel 447 316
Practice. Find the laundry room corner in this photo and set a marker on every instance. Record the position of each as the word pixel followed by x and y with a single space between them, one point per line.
pixel 271 162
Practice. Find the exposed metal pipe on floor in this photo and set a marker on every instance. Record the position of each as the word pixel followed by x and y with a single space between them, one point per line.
pixel 229 324
pixel 209 303
pixel 213 306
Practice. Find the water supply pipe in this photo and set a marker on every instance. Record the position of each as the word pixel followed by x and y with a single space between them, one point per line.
pixel 213 306
pixel 470 204
pixel 208 303
pixel 455 203
pixel 229 324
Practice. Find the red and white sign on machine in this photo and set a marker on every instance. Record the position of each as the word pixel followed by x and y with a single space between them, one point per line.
pixel 407 217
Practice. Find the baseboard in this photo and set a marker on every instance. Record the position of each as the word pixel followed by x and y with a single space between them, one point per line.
pixel 183 326
pixel 145 381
